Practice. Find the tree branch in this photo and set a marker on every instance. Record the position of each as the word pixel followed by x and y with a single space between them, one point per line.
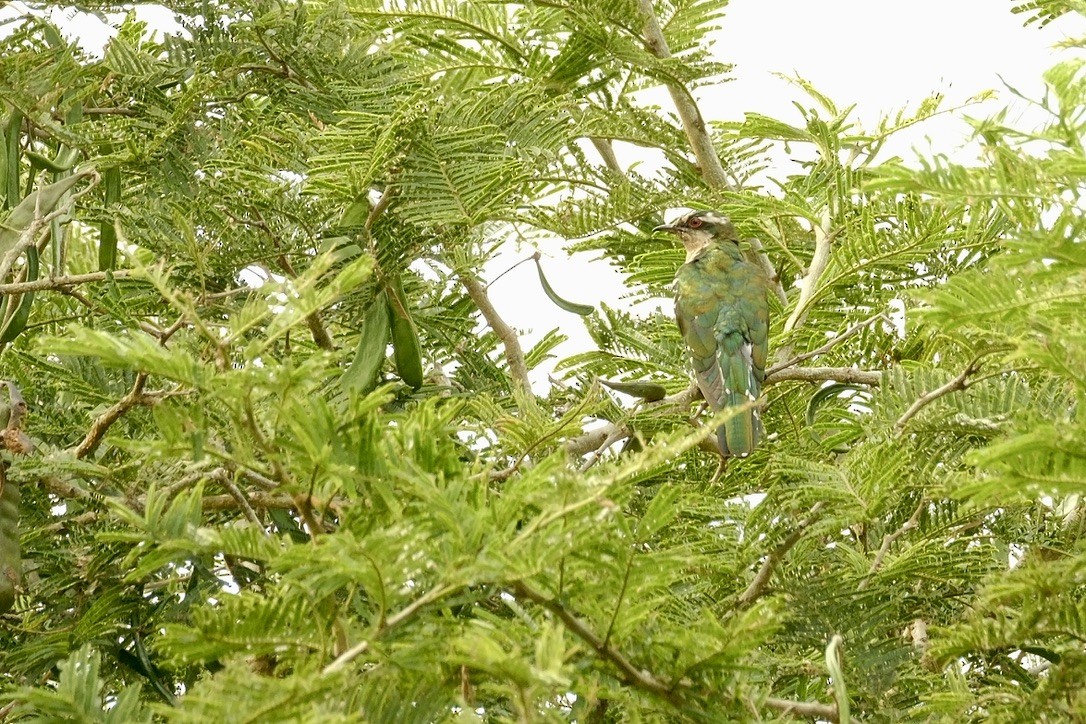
pixel 757 587
pixel 103 422
pixel 628 673
pixel 712 170
pixel 848 375
pixel 888 540
pixel 64 282
pixel 823 240
pixel 514 354
pixel 589 441
pixel 851 331
pixel 395 619
pixel 811 709
pixel 961 382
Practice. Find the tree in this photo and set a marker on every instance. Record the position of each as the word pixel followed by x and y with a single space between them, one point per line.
pixel 327 497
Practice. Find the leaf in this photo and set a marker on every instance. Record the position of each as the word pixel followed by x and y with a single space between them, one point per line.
pixel 573 307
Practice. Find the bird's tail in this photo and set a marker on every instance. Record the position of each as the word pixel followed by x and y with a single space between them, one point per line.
pixel 739 434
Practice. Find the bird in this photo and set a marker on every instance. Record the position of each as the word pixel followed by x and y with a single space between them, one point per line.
pixel 722 309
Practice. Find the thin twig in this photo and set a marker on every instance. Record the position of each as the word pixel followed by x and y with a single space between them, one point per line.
pixel 628 673
pixel 379 208
pixel 961 382
pixel 757 587
pixel 851 331
pixel 397 618
pixel 224 479
pixel 514 354
pixel 888 540
pixel 606 150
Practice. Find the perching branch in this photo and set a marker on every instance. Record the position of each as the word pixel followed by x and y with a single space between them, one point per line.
pixel 514 354
pixel 848 375
pixel 592 440
pixel 757 587
pixel 628 673
pixel 888 540
pixel 961 382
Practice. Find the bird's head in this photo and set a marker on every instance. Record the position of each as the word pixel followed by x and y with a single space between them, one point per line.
pixel 698 229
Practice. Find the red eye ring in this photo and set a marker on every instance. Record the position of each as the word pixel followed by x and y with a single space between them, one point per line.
pixel 694 223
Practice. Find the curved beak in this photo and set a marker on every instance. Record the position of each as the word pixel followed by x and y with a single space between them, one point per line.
pixel 666 227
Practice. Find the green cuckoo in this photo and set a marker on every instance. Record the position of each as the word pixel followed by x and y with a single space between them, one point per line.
pixel 722 308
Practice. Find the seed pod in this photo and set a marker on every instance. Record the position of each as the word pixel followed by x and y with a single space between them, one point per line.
pixel 10 563
pixel 648 391
pixel 42 201
pixel 563 304
pixel 10 327
pixel 406 351
pixel 372 342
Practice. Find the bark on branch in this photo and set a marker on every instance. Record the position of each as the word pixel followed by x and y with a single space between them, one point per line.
pixel 514 354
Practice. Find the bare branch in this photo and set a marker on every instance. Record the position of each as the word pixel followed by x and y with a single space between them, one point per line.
pixel 812 709
pixel 62 282
pixel 848 375
pixel 757 587
pixel 514 354
pixel 888 540
pixel 628 673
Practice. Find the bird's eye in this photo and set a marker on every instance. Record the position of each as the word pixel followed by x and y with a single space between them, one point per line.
pixel 695 223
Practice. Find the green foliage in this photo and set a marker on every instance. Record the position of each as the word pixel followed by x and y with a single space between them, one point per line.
pixel 287 469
